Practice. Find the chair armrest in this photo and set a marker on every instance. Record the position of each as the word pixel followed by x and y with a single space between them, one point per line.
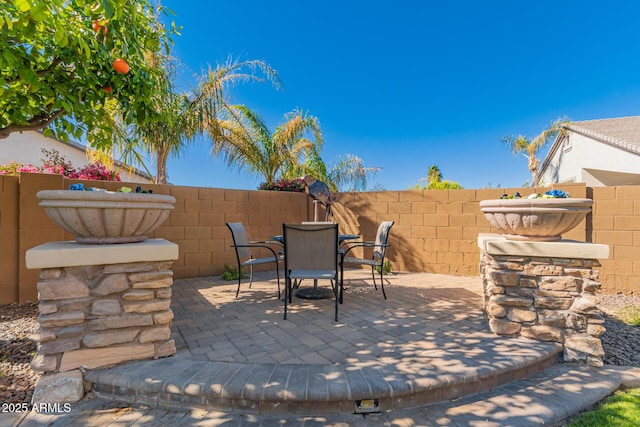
pixel 352 245
pixel 268 242
pixel 264 245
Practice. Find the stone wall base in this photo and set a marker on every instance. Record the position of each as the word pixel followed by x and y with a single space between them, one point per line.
pixel 544 298
pixel 98 315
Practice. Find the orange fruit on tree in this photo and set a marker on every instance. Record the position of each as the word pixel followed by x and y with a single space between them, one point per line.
pixel 121 66
pixel 97 27
pixel 107 89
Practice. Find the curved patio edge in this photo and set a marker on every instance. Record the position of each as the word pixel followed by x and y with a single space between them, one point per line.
pixel 177 382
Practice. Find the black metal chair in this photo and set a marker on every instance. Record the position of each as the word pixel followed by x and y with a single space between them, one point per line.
pixel 244 256
pixel 310 252
pixel 379 246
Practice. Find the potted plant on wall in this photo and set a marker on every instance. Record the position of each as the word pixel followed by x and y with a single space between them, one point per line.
pixel 97 216
pixel 537 217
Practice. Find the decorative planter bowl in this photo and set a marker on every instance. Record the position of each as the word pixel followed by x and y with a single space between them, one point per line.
pixel 535 219
pixel 99 217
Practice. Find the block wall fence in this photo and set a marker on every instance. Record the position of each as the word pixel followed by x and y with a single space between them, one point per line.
pixel 435 231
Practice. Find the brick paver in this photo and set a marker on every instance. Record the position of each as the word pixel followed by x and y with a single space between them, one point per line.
pixel 427 343
pixel 211 321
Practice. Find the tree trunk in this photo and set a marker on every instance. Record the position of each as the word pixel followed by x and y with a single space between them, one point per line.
pixel 533 168
pixel 161 172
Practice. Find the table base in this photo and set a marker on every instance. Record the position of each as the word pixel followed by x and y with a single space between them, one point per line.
pixel 314 293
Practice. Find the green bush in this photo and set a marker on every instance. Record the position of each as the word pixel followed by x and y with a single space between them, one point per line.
pixel 231 273
pixel 386 268
pixel 631 315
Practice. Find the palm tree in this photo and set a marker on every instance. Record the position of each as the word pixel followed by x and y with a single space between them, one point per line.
pixel 180 117
pixel 433 174
pixel 245 141
pixel 529 148
pixel 435 182
pixel 350 174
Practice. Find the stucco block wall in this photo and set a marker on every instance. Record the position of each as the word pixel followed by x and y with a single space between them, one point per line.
pixel 616 222
pixel 435 231
pixel 9 236
pixel 197 224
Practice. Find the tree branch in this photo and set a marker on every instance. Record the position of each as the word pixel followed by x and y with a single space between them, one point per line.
pixel 36 123
pixel 54 63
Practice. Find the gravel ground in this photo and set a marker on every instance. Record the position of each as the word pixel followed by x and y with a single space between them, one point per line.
pixel 18 322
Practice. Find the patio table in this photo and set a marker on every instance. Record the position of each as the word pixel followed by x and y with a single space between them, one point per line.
pixel 315 292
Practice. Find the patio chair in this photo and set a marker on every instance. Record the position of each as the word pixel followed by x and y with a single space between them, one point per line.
pixel 310 252
pixel 377 259
pixel 243 246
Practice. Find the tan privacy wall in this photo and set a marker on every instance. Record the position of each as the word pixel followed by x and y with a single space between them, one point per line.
pixel 615 221
pixel 435 231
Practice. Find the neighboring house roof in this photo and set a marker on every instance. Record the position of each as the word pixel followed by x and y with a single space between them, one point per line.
pixel 622 133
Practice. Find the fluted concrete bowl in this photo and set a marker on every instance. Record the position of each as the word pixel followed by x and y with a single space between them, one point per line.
pixel 97 217
pixel 535 219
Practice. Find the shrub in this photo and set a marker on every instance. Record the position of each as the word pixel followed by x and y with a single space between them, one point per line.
pixel 295 185
pixel 386 268
pixel 57 164
pixel 231 273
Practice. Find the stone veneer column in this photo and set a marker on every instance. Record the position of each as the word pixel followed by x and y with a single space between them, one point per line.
pixel 546 291
pixel 99 305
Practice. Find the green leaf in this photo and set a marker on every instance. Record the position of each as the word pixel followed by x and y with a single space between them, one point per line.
pixel 60 37
pixel 108 10
pixel 39 12
pixel 22 5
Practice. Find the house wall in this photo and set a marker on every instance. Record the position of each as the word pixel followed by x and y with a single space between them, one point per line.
pixel 435 231
pixel 26 147
pixel 568 165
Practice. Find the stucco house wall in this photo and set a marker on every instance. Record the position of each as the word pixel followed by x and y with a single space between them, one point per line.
pixel 596 152
pixel 26 147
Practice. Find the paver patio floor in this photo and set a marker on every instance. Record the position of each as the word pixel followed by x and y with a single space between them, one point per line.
pixel 423 313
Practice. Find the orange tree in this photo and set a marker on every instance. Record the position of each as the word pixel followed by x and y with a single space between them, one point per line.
pixel 62 61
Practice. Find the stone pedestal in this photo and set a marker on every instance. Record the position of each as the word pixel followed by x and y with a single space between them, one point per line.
pixel 100 305
pixel 545 291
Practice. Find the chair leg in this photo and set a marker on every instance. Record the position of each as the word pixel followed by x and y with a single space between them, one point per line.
pixel 287 282
pixel 335 293
pixel 250 275
pixel 293 285
pixel 381 279
pixel 373 274
pixel 278 278
pixel 239 279
pixel 341 279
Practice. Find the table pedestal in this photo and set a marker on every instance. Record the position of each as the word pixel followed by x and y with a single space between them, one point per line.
pixel 314 292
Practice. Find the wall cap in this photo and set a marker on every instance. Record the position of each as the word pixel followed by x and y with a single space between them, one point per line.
pixel 73 254
pixel 497 244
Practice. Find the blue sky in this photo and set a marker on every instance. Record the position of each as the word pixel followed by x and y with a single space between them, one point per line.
pixel 412 83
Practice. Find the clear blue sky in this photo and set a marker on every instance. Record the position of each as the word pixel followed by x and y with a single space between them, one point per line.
pixel 410 83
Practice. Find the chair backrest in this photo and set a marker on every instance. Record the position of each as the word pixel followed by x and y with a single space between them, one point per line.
pixel 310 246
pixel 239 235
pixel 382 235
